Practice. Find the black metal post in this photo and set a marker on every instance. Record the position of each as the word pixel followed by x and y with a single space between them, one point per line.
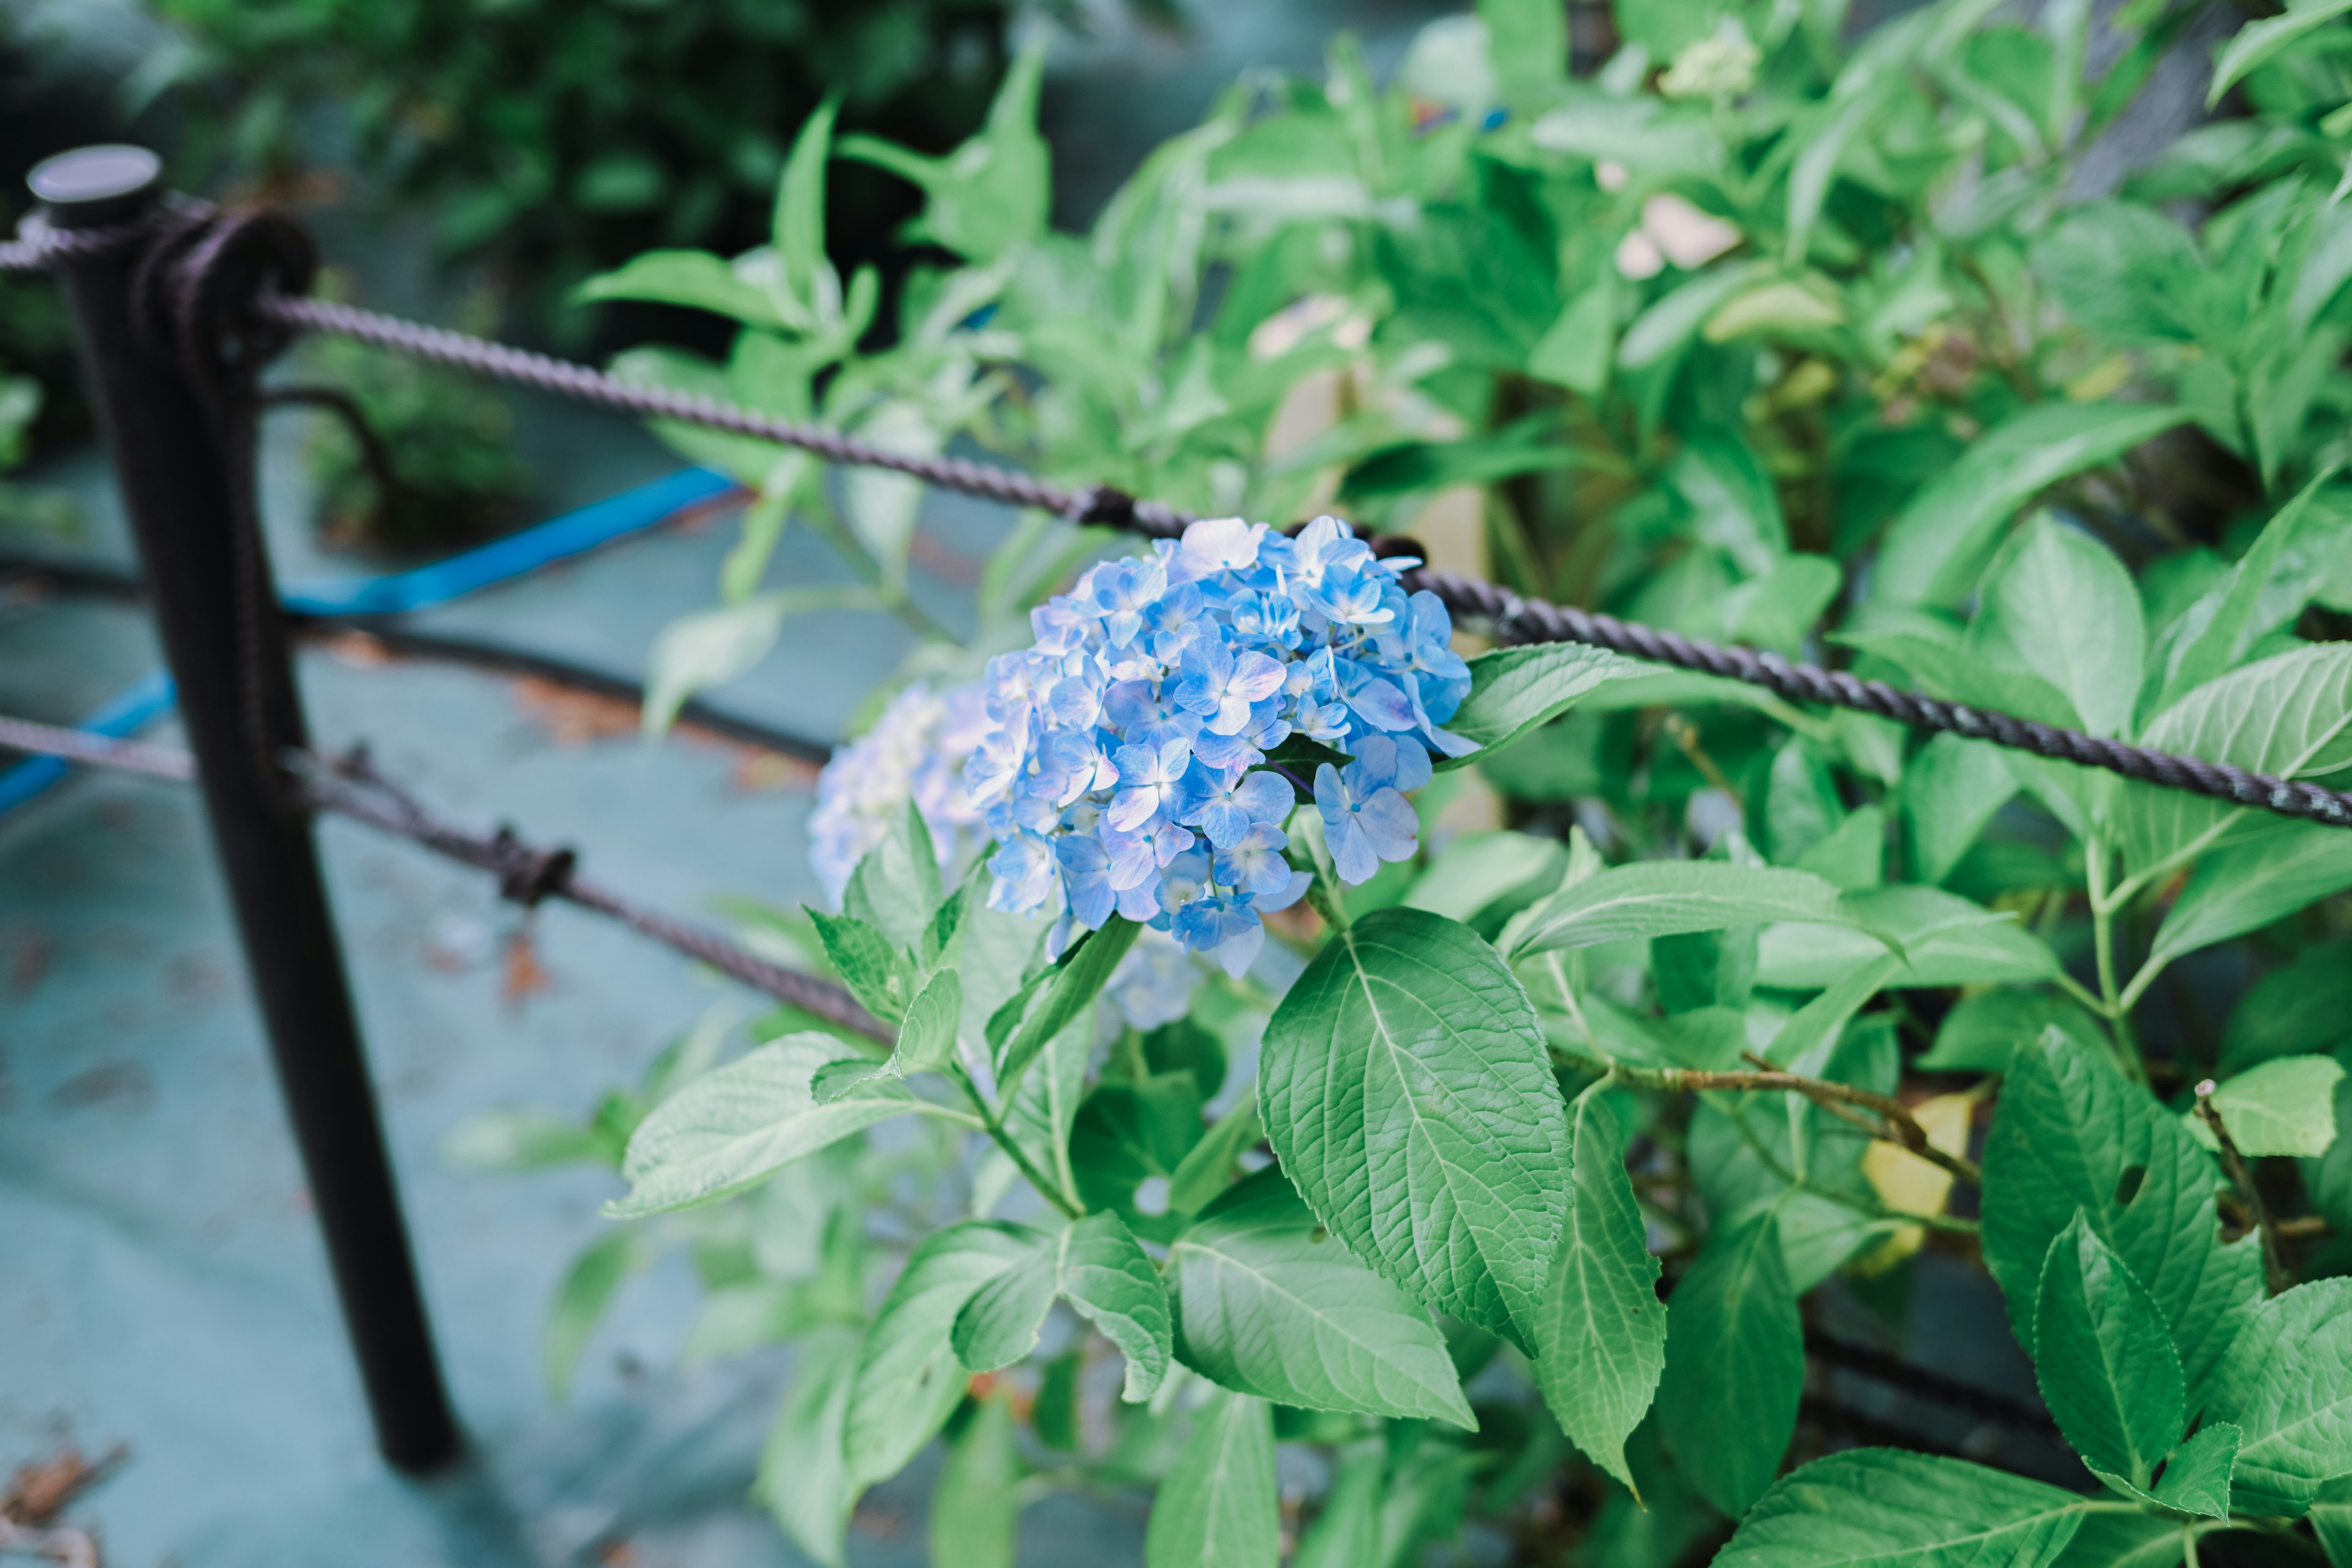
pixel 184 494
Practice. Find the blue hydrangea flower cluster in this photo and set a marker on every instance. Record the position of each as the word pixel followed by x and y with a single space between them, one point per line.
pixel 1117 774
pixel 914 750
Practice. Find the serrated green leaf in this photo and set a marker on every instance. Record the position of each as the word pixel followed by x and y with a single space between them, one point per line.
pixel 1666 898
pixel 2287 715
pixel 896 887
pixel 2105 1360
pixel 1109 1279
pixel 1063 993
pixel 2070 609
pixel 999 1325
pixel 1734 1365
pixel 736 1125
pixel 2196 1476
pixel 2070 1133
pixel 1934 549
pixel 1407 1090
pixel 2287 1384
pixel 2214 634
pixel 2244 887
pixel 1513 690
pixel 1600 1337
pixel 1219 1504
pixel 1880 1508
pixel 1268 1304
pixel 976 1502
pixel 802 1477
pixel 1942 938
pixel 926 1036
pixel 867 961
pixel 908 1379
pixel 1983 1031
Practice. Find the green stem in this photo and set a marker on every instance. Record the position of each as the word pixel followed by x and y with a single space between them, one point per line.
pixel 2104 904
pixel 1051 1191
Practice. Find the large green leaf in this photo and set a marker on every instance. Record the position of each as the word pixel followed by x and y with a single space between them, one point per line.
pixel 737 1125
pixel 1407 1090
pixel 896 887
pixel 2287 715
pixel 1879 1507
pixel 1109 1278
pixel 2104 1359
pixel 1935 547
pixel 1666 898
pixel 1269 1303
pixel 2070 1133
pixel 1951 789
pixel 2288 1384
pixel 1516 689
pixel 2067 605
pixel 1943 938
pixel 908 1378
pixel 1734 1364
pixel 1600 1338
pixel 1218 1504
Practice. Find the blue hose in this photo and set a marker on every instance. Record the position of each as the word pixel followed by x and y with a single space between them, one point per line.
pixel 399 593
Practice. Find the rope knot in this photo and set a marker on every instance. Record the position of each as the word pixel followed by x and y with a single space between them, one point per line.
pixel 526 874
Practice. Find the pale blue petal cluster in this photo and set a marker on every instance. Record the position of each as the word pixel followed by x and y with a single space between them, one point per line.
pixel 915 751
pixel 1115 775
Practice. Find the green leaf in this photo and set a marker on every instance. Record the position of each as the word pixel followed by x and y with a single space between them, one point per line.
pixel 1407 1090
pixel 1219 1504
pixel 1516 689
pixel 2105 1360
pixel 1734 1364
pixel 926 1036
pixel 1269 1303
pixel 2124 1538
pixel 1600 1338
pixel 999 1325
pixel 2214 634
pixel 806 289
pixel 2070 1133
pixel 896 887
pixel 2297 1009
pixel 2070 609
pixel 525 1139
pixel 581 1302
pixel 735 1126
pixel 1666 898
pixel 1209 1167
pixel 988 197
pixel 802 1478
pixel 1950 791
pixel 1347 1532
pixel 1061 993
pixel 1667 327
pixel 2331 1520
pixel 1047 1102
pixel 1944 940
pixel 2286 715
pixel 908 1379
pixel 867 961
pixel 2258 42
pixel 1945 666
pixel 707 648
pixel 694 279
pixel 2245 887
pixel 1879 1507
pixel 2283 1106
pixel 1106 1276
pixel 976 1502
pixel 2196 1479
pixel 1983 1031
pixel 1935 547
pixel 1575 351
pixel 2286 1384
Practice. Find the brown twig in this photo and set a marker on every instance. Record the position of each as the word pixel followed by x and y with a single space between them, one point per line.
pixel 2242 1177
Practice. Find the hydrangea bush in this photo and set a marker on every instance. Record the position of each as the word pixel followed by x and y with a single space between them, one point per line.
pixel 1391 1101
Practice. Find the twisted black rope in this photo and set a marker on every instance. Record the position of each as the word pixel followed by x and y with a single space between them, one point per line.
pixel 1509 618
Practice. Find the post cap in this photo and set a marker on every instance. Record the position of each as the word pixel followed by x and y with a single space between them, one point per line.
pixel 96 184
